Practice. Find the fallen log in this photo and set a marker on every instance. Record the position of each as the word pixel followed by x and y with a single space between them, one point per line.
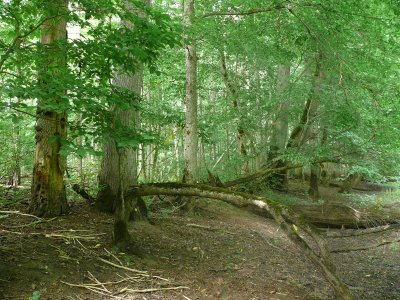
pixel 345 216
pixel 287 219
pixel 359 232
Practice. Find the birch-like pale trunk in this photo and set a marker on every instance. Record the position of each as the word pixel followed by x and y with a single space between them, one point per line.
pixel 48 196
pixel 190 132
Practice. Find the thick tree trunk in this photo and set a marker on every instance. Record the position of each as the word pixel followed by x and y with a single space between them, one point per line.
pixel 119 165
pixel 114 180
pixel 190 133
pixel 280 128
pixel 48 197
pixel 279 212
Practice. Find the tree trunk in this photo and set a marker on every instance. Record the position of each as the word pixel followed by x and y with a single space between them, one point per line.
pixel 190 133
pixel 240 135
pixel 315 172
pixel 119 165
pixel 280 128
pixel 48 196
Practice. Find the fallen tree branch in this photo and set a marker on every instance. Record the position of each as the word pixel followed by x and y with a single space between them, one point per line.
pixel 120 266
pixel 157 289
pixel 341 234
pixel 366 247
pixel 83 193
pixel 279 212
pixel 16 212
pixel 201 227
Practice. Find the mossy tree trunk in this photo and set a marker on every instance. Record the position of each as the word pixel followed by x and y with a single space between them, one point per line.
pixel 48 196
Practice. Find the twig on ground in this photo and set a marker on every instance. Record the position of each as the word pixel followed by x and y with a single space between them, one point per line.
pixel 16 212
pixel 157 289
pixel 113 256
pixel 121 267
pixel 33 223
pixel 201 227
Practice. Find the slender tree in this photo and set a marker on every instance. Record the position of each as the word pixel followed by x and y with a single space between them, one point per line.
pixel 190 132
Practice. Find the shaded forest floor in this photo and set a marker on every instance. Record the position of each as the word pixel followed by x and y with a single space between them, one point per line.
pixel 220 252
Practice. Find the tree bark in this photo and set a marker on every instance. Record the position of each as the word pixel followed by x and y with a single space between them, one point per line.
pixel 279 212
pixel 190 132
pixel 280 129
pixel 48 196
pixel 119 164
pixel 315 172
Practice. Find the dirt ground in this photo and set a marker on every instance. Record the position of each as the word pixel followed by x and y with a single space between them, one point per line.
pixel 220 252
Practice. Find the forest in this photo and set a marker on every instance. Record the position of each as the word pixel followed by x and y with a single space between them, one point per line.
pixel 200 149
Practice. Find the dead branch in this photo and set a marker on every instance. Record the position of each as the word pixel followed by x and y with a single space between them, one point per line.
pixel 201 227
pixel 157 289
pixel 120 266
pixel 351 233
pixel 16 212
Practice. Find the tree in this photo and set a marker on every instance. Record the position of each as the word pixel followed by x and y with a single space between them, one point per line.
pixel 48 196
pixel 191 139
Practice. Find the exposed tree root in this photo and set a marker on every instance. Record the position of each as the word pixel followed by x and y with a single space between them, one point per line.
pixel 287 219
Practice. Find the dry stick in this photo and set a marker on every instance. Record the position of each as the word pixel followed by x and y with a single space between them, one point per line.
pixel 93 278
pixel 278 211
pixel 201 227
pixel 141 273
pixel 157 289
pixel 122 267
pixel 16 212
pixel 113 256
pixel 91 288
pixel 35 222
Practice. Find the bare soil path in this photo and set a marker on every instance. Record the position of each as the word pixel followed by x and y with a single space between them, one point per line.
pixel 220 252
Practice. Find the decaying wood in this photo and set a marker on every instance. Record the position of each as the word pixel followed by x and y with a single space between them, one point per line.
pixel 367 247
pixel 345 216
pixel 351 233
pixel 287 219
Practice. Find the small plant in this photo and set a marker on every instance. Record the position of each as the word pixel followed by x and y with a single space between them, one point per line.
pixel 35 296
